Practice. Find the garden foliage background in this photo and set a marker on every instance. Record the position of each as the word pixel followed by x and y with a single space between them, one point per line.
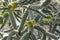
pixel 29 19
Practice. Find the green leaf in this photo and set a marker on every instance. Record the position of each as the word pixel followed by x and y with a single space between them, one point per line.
pixel 3 23
pixel 10 35
pixel 57 31
pixel 43 37
pixel 54 28
pixel 25 36
pixel 40 13
pixel 17 15
pixel 4 38
pixel 53 8
pixel 1 35
pixel 25 30
pixel 47 33
pixel 3 8
pixel 25 2
pixel 37 11
pixel 23 21
pixel 46 3
pixel 32 36
pixel 12 20
pixel 49 7
pixel 17 19
pixel 37 17
pixel 9 38
pixel 45 10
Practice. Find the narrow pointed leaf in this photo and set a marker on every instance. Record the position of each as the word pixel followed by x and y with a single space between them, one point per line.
pixel 23 21
pixel 12 20
pixel 47 33
pixel 3 23
pixel 5 38
pixel 33 37
pixel 10 35
pixel 25 36
pixel 46 3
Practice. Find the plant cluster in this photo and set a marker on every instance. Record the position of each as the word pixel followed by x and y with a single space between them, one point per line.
pixel 30 16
